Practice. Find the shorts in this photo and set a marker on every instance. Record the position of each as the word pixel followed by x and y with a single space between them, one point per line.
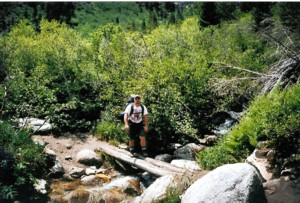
pixel 136 130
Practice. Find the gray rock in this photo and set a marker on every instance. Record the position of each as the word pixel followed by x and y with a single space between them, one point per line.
pixel 262 164
pixel 157 190
pixel 174 146
pixel 57 170
pixel 164 157
pixel 187 152
pixel 90 171
pixel 37 125
pixel 88 157
pixel 68 157
pixel 91 180
pixel 77 172
pixel 40 186
pixel 186 164
pixel 229 183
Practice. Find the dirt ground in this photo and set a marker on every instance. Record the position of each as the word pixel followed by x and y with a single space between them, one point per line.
pixel 69 145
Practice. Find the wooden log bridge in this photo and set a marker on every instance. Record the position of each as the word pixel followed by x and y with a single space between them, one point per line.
pixel 153 166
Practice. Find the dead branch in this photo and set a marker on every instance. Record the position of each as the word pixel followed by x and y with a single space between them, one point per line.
pixel 146 164
pixel 242 69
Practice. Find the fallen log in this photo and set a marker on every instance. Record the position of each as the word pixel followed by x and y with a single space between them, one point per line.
pixel 148 164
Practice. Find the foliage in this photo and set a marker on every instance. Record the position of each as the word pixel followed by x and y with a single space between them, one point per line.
pixel 86 17
pixel 52 73
pixel 22 159
pixel 271 118
pixel 110 131
pixel 7 192
pixel 182 183
pixel 73 81
pixel 80 82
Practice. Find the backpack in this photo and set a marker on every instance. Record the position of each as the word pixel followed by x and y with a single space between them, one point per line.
pixel 129 102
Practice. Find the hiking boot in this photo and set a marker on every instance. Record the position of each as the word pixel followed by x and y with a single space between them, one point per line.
pixel 135 154
pixel 131 150
pixel 144 153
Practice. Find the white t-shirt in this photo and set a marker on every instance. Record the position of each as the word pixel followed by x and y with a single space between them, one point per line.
pixel 136 116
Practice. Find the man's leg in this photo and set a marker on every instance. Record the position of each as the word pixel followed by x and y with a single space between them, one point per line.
pixel 143 143
pixel 131 136
pixel 131 145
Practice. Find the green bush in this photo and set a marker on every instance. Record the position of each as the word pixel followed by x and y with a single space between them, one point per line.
pixel 110 131
pixel 108 128
pixel 273 118
pixel 215 156
pixel 22 161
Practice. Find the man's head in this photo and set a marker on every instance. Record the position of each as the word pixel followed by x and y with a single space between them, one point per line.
pixel 137 99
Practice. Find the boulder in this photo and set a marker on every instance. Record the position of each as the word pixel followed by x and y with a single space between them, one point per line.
pixel 229 183
pixel 37 125
pixel 261 163
pixel 187 152
pixel 157 190
pixel 280 190
pixel 88 157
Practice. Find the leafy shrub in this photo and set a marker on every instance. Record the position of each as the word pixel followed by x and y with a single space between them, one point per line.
pixel 273 118
pixel 109 129
pixel 22 159
pixel 213 157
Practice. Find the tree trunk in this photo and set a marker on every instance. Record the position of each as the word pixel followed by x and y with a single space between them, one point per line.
pixel 155 167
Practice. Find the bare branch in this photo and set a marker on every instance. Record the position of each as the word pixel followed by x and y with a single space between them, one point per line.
pixel 242 69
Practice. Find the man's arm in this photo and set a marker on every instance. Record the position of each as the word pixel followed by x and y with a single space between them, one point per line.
pixel 126 121
pixel 146 127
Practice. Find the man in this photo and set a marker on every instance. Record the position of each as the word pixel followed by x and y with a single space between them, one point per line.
pixel 136 123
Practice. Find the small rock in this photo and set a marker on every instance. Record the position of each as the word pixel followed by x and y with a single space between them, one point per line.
pixel 286 178
pixel 164 157
pixel 90 171
pixel 186 164
pixel 77 172
pixel 91 180
pixel 68 145
pixel 68 157
pixel 101 170
pixel 40 186
pixel 50 152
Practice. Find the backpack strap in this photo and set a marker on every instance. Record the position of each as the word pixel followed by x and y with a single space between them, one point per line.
pixel 142 109
pixel 131 110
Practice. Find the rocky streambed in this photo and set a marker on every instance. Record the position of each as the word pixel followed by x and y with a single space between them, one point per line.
pixel 78 180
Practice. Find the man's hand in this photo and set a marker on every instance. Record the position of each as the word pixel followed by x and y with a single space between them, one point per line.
pixel 126 127
pixel 146 128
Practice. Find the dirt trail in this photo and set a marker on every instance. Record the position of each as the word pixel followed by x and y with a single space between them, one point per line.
pixel 69 145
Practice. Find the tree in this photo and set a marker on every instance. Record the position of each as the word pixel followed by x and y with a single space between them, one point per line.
pixel 209 15
pixel 289 14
